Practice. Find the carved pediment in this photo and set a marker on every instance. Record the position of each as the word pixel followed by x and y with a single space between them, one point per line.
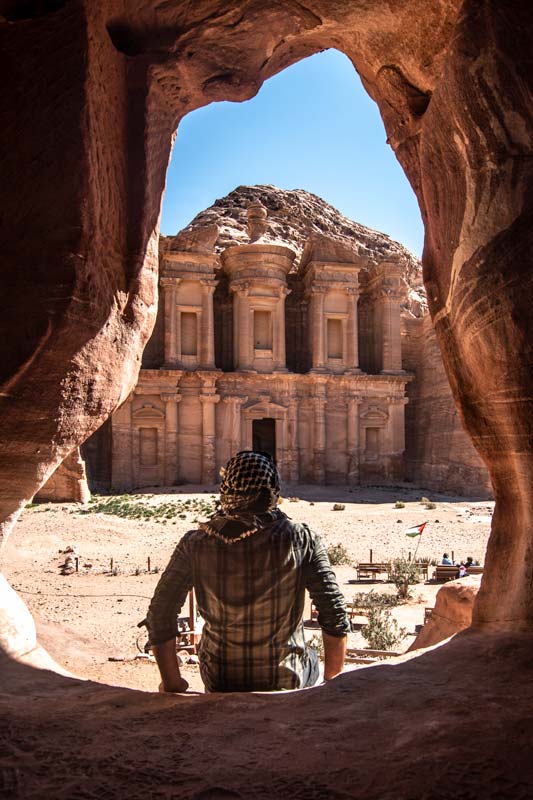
pixel 148 411
pixel 374 416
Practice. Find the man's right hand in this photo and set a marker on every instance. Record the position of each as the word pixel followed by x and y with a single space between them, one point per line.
pixel 171 680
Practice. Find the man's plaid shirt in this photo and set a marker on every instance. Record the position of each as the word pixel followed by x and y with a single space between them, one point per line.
pixel 251 594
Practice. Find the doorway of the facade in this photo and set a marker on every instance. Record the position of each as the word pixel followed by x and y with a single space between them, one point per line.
pixel 264 436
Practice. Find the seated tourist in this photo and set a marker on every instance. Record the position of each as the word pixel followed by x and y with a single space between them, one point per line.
pixel 249 566
pixel 462 571
pixel 469 562
pixel 446 560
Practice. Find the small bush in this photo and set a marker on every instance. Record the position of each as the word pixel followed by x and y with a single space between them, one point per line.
pixel 382 631
pixel 338 555
pixel 430 505
pixel 403 573
pixel 372 599
pixel 399 504
pixel 424 500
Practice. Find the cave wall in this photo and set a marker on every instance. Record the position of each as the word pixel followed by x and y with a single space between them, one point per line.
pixel 439 455
pixel 94 94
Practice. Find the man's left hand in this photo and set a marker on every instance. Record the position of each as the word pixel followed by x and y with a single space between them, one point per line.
pixel 179 686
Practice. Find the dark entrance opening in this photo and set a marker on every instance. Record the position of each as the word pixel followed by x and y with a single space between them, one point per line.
pixel 264 435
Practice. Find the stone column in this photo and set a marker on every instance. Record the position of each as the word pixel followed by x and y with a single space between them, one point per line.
pixel 317 328
pixel 319 450
pixel 293 469
pixel 171 400
pixel 391 337
pixel 169 286
pixel 352 438
pixel 352 331
pixel 207 332
pixel 233 411
pixel 242 339
pixel 208 402
pixel 122 453
pixel 280 357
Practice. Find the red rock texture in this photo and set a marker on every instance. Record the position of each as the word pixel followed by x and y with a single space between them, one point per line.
pixel 452 613
pixel 452 724
pixel 94 93
pixel 439 454
pixel 68 483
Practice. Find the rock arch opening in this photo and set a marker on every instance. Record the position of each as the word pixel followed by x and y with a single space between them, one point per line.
pixel 82 266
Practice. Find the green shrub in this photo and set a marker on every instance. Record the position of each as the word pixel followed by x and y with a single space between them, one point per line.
pixel 338 555
pixel 382 631
pixel 137 507
pixel 372 599
pixel 403 573
pixel 399 504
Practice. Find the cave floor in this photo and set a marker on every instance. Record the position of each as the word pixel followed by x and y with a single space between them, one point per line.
pixel 455 721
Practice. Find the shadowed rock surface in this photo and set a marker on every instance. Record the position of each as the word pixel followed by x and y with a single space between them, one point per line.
pixel 94 94
pixel 453 722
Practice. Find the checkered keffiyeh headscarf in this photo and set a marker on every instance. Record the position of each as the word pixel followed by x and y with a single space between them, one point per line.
pixel 247 474
pixel 249 495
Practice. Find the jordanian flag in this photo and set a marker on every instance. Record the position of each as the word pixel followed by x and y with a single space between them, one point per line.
pixel 416 530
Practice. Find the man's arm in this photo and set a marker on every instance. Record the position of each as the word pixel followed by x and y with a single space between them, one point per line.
pixel 334 654
pixel 331 605
pixel 170 593
pixel 167 661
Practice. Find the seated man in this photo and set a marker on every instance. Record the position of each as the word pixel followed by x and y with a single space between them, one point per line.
pixel 446 560
pixel 249 566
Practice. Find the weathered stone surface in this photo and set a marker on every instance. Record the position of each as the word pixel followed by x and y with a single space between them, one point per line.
pixel 295 216
pixel 454 722
pixel 439 455
pixel 452 612
pixel 96 90
pixel 68 483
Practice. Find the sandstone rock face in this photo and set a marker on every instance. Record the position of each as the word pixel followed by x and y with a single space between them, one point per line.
pixel 452 613
pixel 68 483
pixel 95 92
pixel 439 454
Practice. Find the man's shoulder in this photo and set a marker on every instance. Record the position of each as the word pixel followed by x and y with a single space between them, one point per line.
pixel 299 531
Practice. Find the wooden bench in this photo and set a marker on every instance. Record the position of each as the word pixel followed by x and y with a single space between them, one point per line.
pixel 372 569
pixel 445 572
pixel 449 572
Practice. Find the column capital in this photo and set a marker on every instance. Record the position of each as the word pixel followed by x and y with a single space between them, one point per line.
pixel 353 397
pixel 209 398
pixel 170 397
pixel 168 281
pixel 352 290
pixel 234 400
pixel 208 285
pixel 240 287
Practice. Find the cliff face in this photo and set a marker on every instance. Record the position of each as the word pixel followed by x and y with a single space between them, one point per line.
pixel 439 454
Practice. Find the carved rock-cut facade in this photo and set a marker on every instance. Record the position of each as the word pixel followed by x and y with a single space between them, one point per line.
pixel 329 406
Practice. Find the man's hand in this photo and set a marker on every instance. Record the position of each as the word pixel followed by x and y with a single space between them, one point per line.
pixel 178 687
pixel 334 655
pixel 171 680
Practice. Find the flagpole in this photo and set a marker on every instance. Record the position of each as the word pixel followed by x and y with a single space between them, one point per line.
pixel 418 543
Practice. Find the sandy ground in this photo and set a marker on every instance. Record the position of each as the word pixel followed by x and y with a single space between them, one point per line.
pixel 89 619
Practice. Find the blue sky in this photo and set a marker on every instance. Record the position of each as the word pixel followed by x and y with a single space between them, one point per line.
pixel 311 127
